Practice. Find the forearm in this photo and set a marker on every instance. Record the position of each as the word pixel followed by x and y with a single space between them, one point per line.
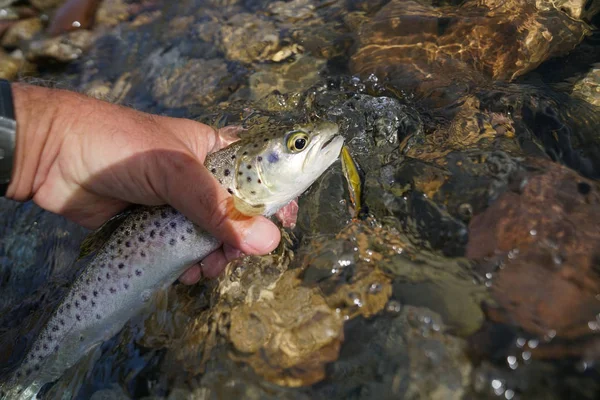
pixel 37 140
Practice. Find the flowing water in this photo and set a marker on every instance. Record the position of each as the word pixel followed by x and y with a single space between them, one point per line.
pixel 470 269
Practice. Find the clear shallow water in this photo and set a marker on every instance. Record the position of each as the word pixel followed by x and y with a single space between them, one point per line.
pixel 471 272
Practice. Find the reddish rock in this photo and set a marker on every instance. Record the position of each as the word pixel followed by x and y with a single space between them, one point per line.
pixel 73 14
pixel 545 235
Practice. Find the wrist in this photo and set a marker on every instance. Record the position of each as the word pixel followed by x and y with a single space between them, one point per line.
pixel 36 113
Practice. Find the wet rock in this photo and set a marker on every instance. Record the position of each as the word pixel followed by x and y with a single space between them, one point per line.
pixel 63 48
pixel 420 360
pixel 287 342
pixel 296 76
pixel 578 9
pixel 9 66
pixel 196 81
pixel 248 38
pixel 292 11
pixel 74 14
pixel 423 49
pixel 45 5
pixel 21 32
pixel 111 12
pixel 563 127
pixel 588 86
pixel 542 237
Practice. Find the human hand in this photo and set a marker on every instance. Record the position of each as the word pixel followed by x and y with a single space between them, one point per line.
pixel 87 160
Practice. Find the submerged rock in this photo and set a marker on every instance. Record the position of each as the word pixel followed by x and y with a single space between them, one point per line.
pixel 545 279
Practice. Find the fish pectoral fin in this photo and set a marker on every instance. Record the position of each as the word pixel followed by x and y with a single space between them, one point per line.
pixel 246 209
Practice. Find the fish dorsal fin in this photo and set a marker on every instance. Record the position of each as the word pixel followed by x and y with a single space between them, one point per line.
pixel 94 241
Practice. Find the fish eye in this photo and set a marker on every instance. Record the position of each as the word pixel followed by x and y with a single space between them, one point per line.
pixel 297 141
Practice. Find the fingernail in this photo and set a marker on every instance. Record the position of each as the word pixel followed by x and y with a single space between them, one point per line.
pixel 261 237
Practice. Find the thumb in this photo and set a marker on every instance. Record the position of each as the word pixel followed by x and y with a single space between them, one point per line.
pixel 194 191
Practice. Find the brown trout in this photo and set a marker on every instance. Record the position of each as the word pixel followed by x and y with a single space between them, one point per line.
pixel 154 245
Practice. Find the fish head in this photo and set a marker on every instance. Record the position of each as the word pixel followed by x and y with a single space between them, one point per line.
pixel 274 168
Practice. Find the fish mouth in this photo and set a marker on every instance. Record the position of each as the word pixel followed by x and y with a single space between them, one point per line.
pixel 328 141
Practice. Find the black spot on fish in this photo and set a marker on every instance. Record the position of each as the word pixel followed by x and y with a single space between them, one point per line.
pixel 249 166
pixel 249 179
pixel 245 153
pixel 126 257
pixel 252 192
pixel 49 337
pixel 95 293
pixel 76 304
pixel 121 265
pixel 68 306
pixel 226 172
pixel 28 371
pixel 56 348
pixel 45 346
pixel 259 181
pixel 233 156
pixel 88 281
pixel 113 290
pixel 99 279
pixel 134 226
pixel 157 224
pixel 36 366
pixel 172 242
pixel 189 230
pixel 119 241
pixel 142 254
pixel 183 238
pixel 265 139
pixel 240 173
pixel 60 310
pixel 81 338
pixel 93 303
pixel 37 348
pixel 78 317
pixel 161 233
pixel 138 272
pixel 259 158
pixel 127 233
pixel 62 322
pixel 221 181
pixel 214 170
pixel 107 275
pixel 83 297
pixel 112 247
pixel 55 328
pixel 126 285
pixel 152 233
pixel 173 225
pixel 103 265
pixel 128 244
pixel 98 316
pixel 255 145
pixel 163 214
pixel 229 190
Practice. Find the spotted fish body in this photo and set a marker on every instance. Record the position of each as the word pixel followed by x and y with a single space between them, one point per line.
pixel 154 245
